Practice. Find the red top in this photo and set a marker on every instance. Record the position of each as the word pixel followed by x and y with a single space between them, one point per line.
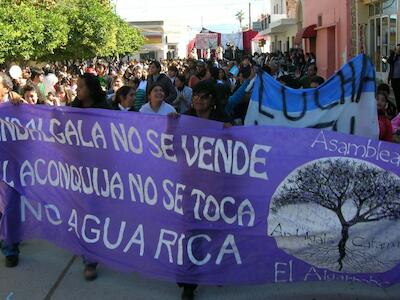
pixel 385 129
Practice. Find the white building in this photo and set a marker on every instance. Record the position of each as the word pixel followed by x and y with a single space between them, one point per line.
pixel 164 39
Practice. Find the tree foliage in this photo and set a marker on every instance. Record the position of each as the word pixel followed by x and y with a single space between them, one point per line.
pixel 63 29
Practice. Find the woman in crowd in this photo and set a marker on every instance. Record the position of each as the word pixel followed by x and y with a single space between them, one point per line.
pixel 204 106
pixel 90 95
pixel 29 94
pixel 117 83
pixel 64 95
pixel 205 103
pixel 184 95
pixel 157 104
pixel 385 127
pixel 124 99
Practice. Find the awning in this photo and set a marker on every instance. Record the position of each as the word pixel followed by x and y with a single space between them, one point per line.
pixel 305 33
pixel 259 37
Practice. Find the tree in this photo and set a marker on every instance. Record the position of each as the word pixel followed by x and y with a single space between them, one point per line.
pixel 333 183
pixel 54 30
pixel 240 17
pixel 128 39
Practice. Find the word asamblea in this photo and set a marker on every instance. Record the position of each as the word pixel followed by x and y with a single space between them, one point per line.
pixel 370 150
pixel 93 230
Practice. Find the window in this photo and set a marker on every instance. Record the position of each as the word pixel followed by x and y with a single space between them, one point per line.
pixel 319 21
pixel 382 31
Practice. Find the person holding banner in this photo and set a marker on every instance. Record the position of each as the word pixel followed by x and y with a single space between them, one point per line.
pixel 204 106
pixel 156 104
pixel 90 94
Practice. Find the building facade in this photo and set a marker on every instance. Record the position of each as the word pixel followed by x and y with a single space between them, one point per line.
pixel 164 39
pixel 332 35
pixel 346 28
pixel 282 25
pixel 375 30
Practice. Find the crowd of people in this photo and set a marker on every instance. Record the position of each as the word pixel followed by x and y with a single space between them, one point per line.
pixel 216 89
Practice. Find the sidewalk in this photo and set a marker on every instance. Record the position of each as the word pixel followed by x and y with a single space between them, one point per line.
pixel 47 272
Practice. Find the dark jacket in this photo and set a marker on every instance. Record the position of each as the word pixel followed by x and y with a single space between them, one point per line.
pixel 99 104
pixel 392 60
pixel 115 106
pixel 165 82
pixel 215 115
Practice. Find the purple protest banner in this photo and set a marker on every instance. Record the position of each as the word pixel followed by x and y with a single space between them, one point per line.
pixel 186 200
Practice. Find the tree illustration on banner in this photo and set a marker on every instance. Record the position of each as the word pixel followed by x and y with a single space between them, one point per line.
pixel 339 213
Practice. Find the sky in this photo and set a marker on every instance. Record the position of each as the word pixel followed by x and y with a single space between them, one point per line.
pixel 216 15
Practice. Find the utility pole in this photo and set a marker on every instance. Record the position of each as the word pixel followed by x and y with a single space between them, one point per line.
pixel 250 25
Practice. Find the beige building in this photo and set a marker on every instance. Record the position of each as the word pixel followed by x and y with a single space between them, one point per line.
pixel 164 39
pixel 283 25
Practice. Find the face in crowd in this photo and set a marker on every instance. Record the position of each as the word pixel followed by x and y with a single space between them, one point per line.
pixel 82 90
pixel 178 83
pixel 100 70
pixel 381 102
pixel 202 102
pixel 153 70
pixel 31 96
pixel 398 49
pixel 312 71
pixel 201 69
pixel 118 83
pixel 3 89
pixel 156 95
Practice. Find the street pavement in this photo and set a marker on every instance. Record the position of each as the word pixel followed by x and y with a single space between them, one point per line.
pixel 46 272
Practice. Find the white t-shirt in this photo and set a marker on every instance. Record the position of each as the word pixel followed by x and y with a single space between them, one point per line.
pixel 164 109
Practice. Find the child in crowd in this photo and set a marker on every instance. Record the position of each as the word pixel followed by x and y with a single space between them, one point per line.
pixel 385 127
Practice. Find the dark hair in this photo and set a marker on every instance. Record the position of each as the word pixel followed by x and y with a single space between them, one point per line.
pixel 156 64
pixel 122 93
pixel 246 72
pixel 173 69
pixel 381 93
pixel 97 95
pixel 181 78
pixel 36 72
pixel 28 88
pixel 315 66
pixel 152 87
pixel 317 79
pixel 383 87
pixel 214 71
pixel 205 86
pixel 289 81
pixel 6 81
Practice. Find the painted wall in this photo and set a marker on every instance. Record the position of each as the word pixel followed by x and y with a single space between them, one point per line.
pixel 333 34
